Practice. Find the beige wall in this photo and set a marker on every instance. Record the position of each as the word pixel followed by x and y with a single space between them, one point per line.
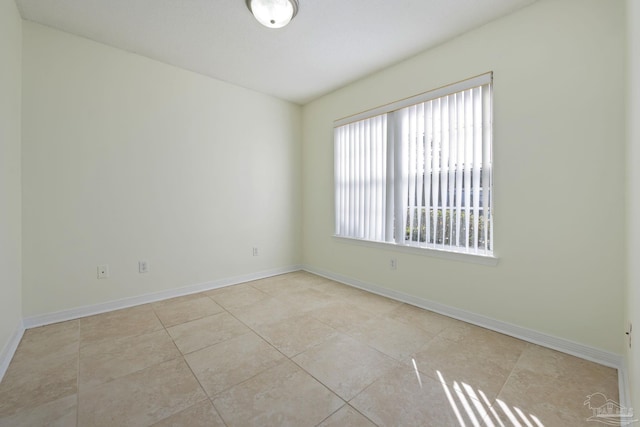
pixel 128 159
pixel 559 173
pixel 633 211
pixel 10 212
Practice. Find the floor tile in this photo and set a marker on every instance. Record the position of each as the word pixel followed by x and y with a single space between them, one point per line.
pixel 309 299
pixel 304 276
pixel 342 315
pixel 184 309
pixel 35 377
pixel 391 337
pixel 280 285
pixel 374 303
pixel 345 365
pixel 346 416
pixel 553 387
pixel 570 369
pixel 141 398
pixel 267 311
pixel 459 331
pixel 58 338
pixel 119 324
pixel 424 319
pixel 336 289
pixel 110 359
pixel 237 296
pixel 58 413
pixel 201 333
pixel 482 360
pixel 284 395
pixel 202 414
pixel 236 360
pixel 405 397
pixel 296 334
pixel 295 349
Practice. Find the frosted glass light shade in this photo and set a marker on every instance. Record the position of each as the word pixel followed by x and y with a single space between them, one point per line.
pixel 273 13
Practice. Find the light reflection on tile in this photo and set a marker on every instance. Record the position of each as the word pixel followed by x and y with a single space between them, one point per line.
pixel 484 359
pixel 554 387
pixel 345 365
pixel 293 349
pixel 399 399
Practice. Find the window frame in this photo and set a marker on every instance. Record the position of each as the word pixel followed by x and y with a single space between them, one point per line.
pixel 487 255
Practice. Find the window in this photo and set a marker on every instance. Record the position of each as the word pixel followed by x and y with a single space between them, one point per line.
pixel 419 172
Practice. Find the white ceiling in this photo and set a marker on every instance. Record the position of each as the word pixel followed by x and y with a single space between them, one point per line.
pixel 329 44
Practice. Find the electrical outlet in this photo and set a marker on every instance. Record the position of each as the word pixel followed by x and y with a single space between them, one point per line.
pixel 393 264
pixel 255 251
pixel 629 333
pixel 143 266
pixel 103 271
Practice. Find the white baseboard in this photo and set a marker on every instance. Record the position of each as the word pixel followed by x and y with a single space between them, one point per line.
pixel 10 349
pixel 89 310
pixel 624 394
pixel 596 355
pixel 566 346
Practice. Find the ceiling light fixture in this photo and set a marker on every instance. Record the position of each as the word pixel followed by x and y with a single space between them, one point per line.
pixel 273 13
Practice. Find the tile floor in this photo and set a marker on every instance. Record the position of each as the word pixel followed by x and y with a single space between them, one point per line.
pixel 292 350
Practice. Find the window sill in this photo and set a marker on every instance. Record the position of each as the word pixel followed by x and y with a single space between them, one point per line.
pixel 490 260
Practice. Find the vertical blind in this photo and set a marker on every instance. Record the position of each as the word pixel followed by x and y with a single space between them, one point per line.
pixel 419 172
pixel 361 179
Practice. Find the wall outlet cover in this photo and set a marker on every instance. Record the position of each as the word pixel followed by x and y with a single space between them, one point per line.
pixel 143 266
pixel 103 271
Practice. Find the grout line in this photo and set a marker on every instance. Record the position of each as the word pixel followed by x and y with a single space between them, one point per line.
pixel 217 411
pixel 228 339
pixel 331 414
pixel 355 409
pixel 512 370
pixel 285 358
pixel 184 360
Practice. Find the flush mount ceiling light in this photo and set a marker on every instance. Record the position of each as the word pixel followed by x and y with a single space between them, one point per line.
pixel 273 13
